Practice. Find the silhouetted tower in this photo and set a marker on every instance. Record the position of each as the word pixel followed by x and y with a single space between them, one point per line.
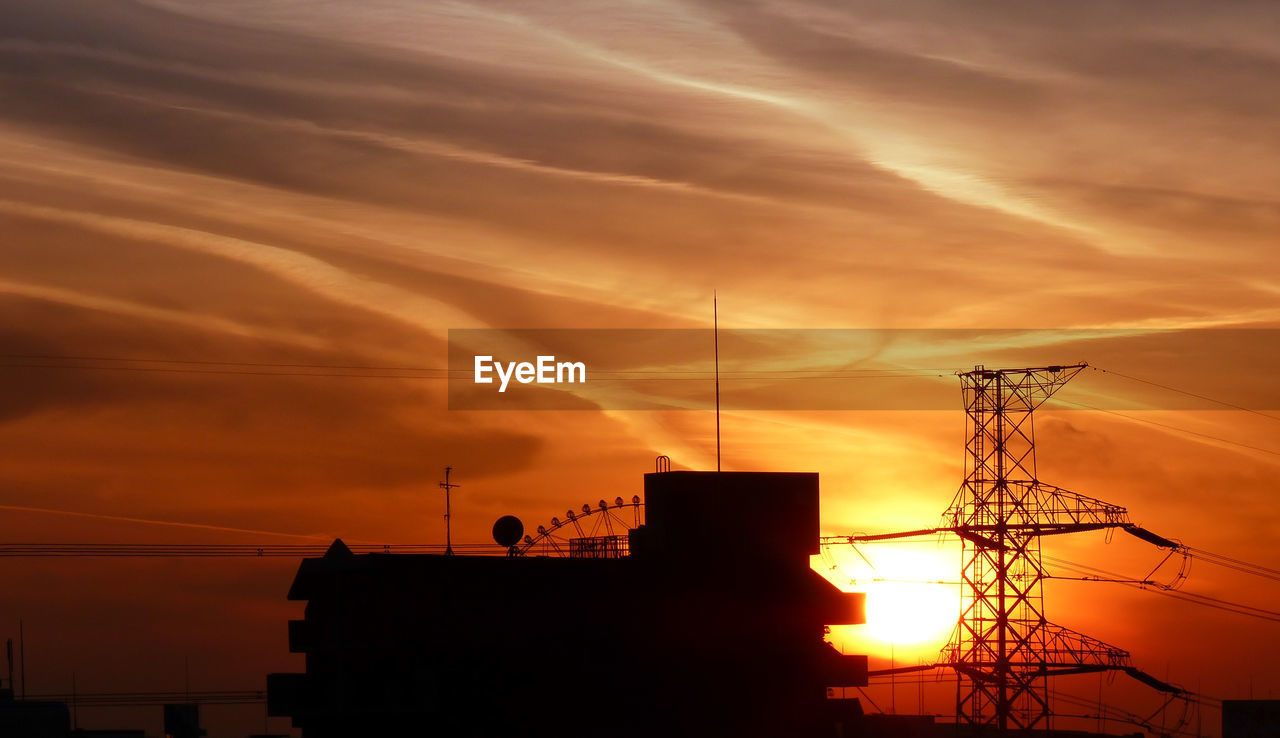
pixel 448 510
pixel 1003 645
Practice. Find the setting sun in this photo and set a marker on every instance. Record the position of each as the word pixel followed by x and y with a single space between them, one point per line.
pixel 451 285
pixel 910 613
pixel 912 601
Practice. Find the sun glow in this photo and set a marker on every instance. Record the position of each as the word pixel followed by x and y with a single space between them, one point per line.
pixel 911 613
pixel 912 605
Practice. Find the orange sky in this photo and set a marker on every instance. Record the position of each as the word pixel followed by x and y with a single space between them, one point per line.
pixel 313 182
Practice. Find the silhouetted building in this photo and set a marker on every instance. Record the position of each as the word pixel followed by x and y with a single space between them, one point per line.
pixel 32 719
pixel 878 725
pixel 47 719
pixel 713 625
pixel 182 721
pixel 1250 718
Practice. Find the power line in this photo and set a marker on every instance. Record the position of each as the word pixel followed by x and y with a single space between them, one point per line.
pixel 1171 427
pixel 221 550
pixel 1237 564
pixel 1092 573
pixel 202 362
pixel 354 371
pixel 134 699
pixel 1188 393
pixel 1108 712
pixel 165 550
pixel 1118 715
pixel 1194 598
pixel 442 371
pixel 166 370
pixel 165 523
pixel 615 376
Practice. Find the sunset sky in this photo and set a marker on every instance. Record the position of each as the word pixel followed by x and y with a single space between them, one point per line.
pixel 241 185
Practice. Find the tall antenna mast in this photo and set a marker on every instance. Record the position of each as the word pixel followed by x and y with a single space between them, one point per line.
pixel 448 521
pixel 715 332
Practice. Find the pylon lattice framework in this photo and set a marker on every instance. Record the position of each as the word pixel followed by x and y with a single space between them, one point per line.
pixel 1003 645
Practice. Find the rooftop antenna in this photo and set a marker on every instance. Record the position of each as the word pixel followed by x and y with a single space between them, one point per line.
pixel 715 332
pixel 448 527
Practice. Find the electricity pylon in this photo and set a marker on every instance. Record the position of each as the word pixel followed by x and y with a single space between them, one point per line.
pixel 1003 646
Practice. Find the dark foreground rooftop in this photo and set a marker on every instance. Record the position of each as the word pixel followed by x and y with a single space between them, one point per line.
pixel 713 625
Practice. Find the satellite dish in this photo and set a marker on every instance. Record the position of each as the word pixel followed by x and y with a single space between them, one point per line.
pixel 508 530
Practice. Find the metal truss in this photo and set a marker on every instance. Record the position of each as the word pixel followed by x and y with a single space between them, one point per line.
pixel 1003 645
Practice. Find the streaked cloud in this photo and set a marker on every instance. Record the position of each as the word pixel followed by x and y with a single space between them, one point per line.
pixel 318 182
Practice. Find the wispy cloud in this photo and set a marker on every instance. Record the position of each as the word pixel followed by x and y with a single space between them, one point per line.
pixel 325 182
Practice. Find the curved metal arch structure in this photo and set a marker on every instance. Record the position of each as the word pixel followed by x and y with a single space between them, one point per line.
pixel 599 532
